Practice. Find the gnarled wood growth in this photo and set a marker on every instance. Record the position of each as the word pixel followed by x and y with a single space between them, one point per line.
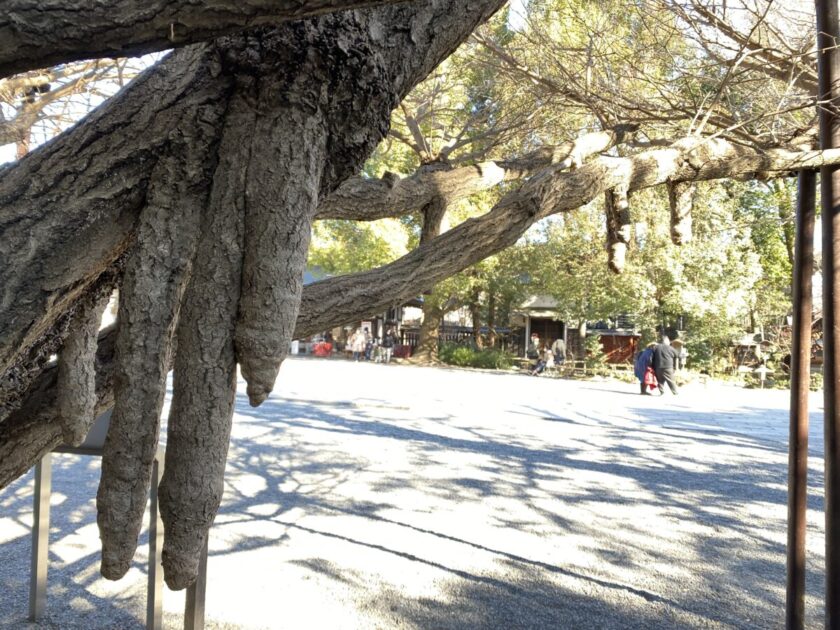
pixel 76 382
pixel 681 200
pixel 617 206
pixel 260 125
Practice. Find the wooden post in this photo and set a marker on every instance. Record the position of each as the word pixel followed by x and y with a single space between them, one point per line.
pixel 194 608
pixel 828 58
pixel 800 372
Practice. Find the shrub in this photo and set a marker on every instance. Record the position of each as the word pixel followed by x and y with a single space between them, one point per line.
pixel 596 359
pixel 464 356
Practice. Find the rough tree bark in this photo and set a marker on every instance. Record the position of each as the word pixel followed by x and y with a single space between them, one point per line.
pixel 427 347
pixel 77 372
pixel 35 34
pixel 681 200
pixel 154 280
pixel 617 206
pixel 322 92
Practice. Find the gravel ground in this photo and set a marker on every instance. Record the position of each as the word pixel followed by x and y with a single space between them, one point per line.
pixel 370 496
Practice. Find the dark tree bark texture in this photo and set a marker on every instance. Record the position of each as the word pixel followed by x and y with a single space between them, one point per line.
pixel 253 129
pixel 38 33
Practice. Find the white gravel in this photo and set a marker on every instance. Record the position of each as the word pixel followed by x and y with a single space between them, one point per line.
pixel 370 496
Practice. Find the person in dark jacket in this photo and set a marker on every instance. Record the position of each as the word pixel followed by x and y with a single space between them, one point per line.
pixel 388 343
pixel 664 364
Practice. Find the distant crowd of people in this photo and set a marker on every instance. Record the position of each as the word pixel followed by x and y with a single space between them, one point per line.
pixel 366 347
pixel 548 354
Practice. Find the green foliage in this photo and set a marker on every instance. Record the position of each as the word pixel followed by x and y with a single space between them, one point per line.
pixel 465 356
pixel 340 247
pixel 576 66
pixel 596 360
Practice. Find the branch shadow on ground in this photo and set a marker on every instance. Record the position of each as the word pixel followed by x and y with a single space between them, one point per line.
pixel 724 493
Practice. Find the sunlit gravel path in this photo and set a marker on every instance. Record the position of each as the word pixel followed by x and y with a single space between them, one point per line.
pixel 371 496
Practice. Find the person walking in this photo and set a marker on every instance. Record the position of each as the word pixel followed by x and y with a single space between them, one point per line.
pixel 357 344
pixel 388 343
pixel 664 364
pixel 643 369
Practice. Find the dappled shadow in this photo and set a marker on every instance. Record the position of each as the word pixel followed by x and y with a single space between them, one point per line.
pixel 643 519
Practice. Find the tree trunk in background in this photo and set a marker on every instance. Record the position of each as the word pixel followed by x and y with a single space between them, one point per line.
pixel 475 314
pixel 491 318
pixel 429 342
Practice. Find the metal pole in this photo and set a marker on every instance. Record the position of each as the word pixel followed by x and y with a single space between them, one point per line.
pixel 40 538
pixel 800 377
pixel 828 57
pixel 154 595
pixel 194 606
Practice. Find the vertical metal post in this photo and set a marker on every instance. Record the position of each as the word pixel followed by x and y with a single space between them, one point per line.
pixel 800 377
pixel 828 58
pixel 194 608
pixel 154 595
pixel 40 538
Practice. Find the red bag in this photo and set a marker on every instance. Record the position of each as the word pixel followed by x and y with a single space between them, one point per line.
pixel 650 379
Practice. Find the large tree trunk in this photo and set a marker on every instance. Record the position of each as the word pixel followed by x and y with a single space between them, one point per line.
pixel 277 114
pixel 428 343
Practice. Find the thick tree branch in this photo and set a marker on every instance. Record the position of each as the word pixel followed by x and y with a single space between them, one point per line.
pixel 37 34
pixel 365 199
pixel 343 299
pixel 34 429
pixel 70 207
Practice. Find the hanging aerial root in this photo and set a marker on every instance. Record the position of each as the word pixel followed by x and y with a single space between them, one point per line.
pixel 681 198
pixel 198 428
pixel 77 371
pixel 156 274
pixel 617 206
pixel 284 176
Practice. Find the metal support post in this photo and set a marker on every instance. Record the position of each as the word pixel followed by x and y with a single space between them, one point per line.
pixel 828 58
pixel 40 538
pixel 800 372
pixel 194 608
pixel 154 596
